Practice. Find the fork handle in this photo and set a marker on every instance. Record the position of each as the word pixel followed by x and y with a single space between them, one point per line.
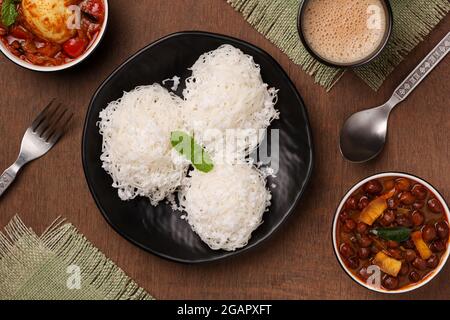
pixel 8 177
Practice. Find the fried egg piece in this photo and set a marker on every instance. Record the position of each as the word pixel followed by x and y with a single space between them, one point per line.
pixel 48 19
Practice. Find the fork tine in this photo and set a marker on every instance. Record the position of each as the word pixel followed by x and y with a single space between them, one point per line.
pixel 49 119
pixel 60 130
pixel 53 123
pixel 41 116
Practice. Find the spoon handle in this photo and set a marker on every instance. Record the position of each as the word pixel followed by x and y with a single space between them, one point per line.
pixel 423 69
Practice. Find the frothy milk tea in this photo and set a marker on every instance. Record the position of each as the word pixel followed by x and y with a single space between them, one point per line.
pixel 344 31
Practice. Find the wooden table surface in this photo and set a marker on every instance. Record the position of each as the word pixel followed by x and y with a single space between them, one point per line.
pixel 298 261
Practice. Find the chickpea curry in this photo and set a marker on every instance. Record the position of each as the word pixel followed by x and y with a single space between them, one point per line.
pixel 50 32
pixel 396 224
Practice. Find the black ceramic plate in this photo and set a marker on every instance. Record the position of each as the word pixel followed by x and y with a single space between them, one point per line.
pixel 158 229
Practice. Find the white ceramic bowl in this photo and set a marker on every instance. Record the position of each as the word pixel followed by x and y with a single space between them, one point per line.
pixel 78 60
pixel 336 219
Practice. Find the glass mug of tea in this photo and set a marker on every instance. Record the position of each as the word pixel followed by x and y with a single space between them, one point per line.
pixel 345 33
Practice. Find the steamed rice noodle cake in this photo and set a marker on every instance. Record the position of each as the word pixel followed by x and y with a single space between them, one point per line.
pixel 225 205
pixel 136 149
pixel 225 92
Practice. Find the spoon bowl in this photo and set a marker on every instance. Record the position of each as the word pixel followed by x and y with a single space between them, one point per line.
pixel 364 134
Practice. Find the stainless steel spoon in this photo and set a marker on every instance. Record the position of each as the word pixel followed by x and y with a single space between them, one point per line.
pixel 364 133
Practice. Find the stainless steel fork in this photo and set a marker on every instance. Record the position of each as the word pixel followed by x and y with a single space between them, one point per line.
pixel 40 137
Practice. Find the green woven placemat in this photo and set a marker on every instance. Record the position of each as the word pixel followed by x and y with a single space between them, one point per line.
pixel 59 265
pixel 277 21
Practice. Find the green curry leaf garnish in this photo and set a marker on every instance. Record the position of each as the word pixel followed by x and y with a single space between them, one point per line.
pixel 9 12
pixel 398 234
